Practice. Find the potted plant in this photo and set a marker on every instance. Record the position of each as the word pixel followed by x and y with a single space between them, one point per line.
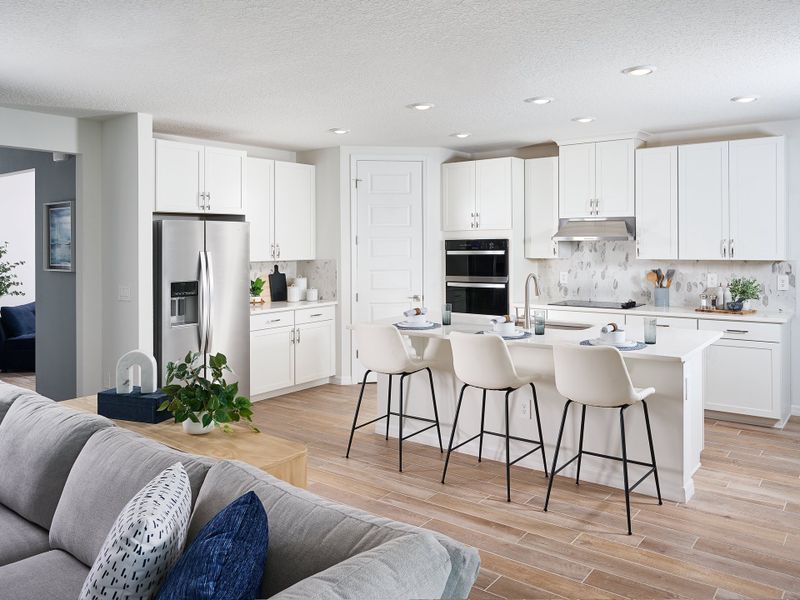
pixel 8 279
pixel 743 290
pixel 200 402
pixel 256 289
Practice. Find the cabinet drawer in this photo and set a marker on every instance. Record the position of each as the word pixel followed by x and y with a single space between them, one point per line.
pixel 743 330
pixel 674 322
pixel 271 320
pixel 311 315
pixel 588 318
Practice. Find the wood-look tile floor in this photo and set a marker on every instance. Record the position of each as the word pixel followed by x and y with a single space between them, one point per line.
pixel 738 537
pixel 25 380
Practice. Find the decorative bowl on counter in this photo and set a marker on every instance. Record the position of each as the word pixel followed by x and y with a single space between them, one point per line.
pixel 737 305
pixel 507 328
pixel 616 337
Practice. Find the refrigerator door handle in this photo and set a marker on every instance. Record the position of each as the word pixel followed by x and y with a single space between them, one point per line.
pixel 202 322
pixel 210 311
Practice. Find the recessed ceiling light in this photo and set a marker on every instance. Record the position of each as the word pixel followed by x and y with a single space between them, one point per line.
pixel 639 70
pixel 539 100
pixel 583 119
pixel 461 135
pixel 339 131
pixel 421 106
pixel 744 99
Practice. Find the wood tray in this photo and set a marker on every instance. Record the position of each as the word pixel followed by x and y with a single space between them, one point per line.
pixel 750 311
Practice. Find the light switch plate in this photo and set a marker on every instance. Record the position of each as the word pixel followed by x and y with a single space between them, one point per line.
pixel 563 277
pixel 783 283
pixel 712 280
pixel 124 293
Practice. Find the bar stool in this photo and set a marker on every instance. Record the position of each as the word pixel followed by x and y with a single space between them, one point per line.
pixel 484 362
pixel 381 350
pixel 597 376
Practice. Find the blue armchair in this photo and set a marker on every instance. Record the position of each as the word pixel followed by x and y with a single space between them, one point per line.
pixel 18 337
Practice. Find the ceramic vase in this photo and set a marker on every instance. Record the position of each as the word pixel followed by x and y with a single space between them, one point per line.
pixel 193 428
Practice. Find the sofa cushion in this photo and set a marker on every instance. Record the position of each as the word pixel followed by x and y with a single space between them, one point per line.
pixel 309 534
pixel 53 575
pixel 39 442
pixel 411 566
pixel 226 559
pixel 145 542
pixel 19 538
pixel 8 395
pixel 114 465
pixel 19 320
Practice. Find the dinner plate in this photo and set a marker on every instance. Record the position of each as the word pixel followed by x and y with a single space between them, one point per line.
pixel 602 342
pixel 416 325
pixel 517 335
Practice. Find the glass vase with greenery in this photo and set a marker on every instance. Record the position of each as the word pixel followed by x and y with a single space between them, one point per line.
pixel 204 400
pixel 8 278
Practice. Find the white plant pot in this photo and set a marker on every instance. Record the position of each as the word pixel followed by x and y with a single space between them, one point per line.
pixel 193 428
pixel 746 304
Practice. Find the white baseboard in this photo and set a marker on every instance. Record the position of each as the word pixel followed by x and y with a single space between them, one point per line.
pixel 796 411
pixel 289 390
pixel 342 380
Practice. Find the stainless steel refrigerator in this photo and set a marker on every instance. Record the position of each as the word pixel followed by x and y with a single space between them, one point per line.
pixel 202 276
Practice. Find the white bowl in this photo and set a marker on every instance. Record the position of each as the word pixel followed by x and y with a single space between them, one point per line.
pixel 505 328
pixel 614 337
pixel 417 319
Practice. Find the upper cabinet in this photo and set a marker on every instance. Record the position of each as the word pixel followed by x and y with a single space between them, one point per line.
pixel 541 209
pixel 596 179
pixel 657 203
pixel 479 194
pixel 198 179
pixel 281 210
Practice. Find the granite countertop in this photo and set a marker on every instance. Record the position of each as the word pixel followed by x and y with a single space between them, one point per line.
pixel 270 307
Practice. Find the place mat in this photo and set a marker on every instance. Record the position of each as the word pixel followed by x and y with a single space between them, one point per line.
pixel 408 328
pixel 638 346
pixel 510 338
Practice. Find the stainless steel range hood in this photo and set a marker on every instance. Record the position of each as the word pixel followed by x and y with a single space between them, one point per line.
pixel 595 229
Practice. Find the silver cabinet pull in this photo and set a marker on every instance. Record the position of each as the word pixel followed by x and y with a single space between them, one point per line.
pixel 277 250
pixel 201 200
pixel 316 315
pixel 273 321
pixel 494 286
pixel 737 331
pixel 723 249
pixel 555 249
pixel 208 200
pixel 660 325
pixel 292 337
pixel 731 247
pixel 298 336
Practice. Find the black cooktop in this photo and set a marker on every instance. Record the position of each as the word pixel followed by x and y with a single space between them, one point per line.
pixel 597 304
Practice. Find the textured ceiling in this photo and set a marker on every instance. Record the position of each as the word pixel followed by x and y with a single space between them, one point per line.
pixel 282 73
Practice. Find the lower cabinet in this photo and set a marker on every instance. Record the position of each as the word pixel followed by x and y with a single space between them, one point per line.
pixel 313 358
pixel 272 359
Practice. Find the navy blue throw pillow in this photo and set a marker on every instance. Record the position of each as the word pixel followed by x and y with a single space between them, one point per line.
pixel 19 320
pixel 226 559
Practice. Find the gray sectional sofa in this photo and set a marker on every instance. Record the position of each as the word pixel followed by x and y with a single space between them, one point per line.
pixel 65 475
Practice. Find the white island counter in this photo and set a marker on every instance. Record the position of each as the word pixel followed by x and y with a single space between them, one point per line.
pixel 674 366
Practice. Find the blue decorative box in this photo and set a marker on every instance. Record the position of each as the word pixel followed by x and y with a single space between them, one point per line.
pixel 135 406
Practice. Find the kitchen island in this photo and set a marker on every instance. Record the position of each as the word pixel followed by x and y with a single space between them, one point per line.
pixel 674 366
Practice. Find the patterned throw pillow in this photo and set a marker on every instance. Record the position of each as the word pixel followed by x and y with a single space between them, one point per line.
pixel 226 559
pixel 145 542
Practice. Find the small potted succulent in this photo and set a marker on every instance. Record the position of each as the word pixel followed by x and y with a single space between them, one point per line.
pixel 743 290
pixel 256 289
pixel 200 402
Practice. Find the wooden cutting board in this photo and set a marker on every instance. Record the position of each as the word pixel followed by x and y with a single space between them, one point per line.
pixel 277 286
pixel 726 311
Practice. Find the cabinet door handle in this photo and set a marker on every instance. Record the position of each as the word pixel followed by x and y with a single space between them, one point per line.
pixel 737 331
pixel 292 337
pixel 201 200
pixel 723 249
pixel 731 247
pixel 273 321
pixel 208 200
pixel 278 250
pixel 316 315
pixel 298 336
pixel 555 249
pixel 660 325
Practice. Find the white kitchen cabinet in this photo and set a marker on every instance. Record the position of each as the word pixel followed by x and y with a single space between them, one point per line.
pixel 295 211
pixel 541 209
pixel 596 179
pixel 757 199
pixel 260 208
pixel 637 321
pixel 657 203
pixel 480 195
pixel 198 179
pixel 585 318
pixel 272 359
pixel 314 346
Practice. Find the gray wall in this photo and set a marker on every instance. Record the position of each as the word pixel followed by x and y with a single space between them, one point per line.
pixel 55 292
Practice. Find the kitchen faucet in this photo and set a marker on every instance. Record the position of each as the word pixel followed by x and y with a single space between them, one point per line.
pixel 528 298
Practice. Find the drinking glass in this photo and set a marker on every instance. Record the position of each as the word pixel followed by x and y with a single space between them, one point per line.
pixel 538 322
pixel 650 328
pixel 447 314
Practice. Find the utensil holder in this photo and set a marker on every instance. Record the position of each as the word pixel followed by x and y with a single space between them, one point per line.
pixel 661 296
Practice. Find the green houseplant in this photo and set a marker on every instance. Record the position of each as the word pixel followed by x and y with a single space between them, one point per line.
pixel 256 289
pixel 743 289
pixel 200 402
pixel 8 278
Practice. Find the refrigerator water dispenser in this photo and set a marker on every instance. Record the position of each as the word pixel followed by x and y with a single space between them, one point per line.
pixel 183 303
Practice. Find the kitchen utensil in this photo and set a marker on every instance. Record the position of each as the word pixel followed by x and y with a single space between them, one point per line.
pixel 652 278
pixel 277 286
pixel 660 276
pixel 668 276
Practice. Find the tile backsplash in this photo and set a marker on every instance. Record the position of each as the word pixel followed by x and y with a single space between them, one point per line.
pixel 321 274
pixel 610 271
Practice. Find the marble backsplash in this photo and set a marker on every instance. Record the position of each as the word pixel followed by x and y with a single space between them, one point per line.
pixel 321 274
pixel 610 271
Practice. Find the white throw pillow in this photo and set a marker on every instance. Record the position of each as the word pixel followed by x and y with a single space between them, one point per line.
pixel 145 542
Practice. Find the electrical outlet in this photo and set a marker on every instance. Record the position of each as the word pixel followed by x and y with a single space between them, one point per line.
pixel 712 280
pixel 525 408
pixel 783 283
pixel 563 278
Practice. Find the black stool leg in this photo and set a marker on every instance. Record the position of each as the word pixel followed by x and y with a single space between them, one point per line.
pixel 580 446
pixel 539 427
pixel 555 458
pixel 400 418
pixel 389 407
pixel 355 416
pixel 453 432
pixel 483 416
pixel 625 465
pixel 435 411
pixel 508 452
pixel 652 450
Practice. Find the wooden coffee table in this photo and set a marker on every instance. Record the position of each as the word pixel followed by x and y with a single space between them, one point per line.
pixel 284 459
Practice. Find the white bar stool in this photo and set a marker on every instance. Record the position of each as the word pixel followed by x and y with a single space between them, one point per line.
pixel 381 350
pixel 484 362
pixel 597 376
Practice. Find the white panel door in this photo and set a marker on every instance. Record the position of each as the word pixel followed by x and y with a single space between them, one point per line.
pixel 657 203
pixel 458 196
pixel 541 207
pixel 271 359
pixel 757 199
pixel 388 270
pixel 614 178
pixel 259 190
pixel 224 177
pixel 313 358
pixel 493 193
pixel 179 177
pixel 295 211
pixel 703 201
pixel 576 178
